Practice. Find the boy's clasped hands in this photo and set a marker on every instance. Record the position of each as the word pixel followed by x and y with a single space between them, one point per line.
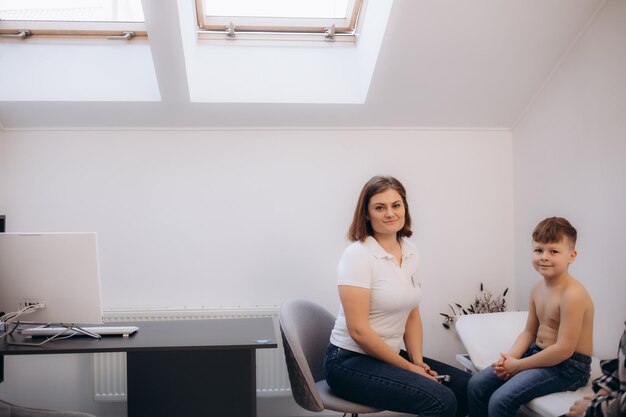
pixel 506 366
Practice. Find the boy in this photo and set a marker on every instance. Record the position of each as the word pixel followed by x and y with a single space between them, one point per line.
pixel 553 352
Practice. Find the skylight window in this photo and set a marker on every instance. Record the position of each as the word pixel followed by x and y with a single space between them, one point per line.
pixel 88 17
pixel 278 8
pixel 331 18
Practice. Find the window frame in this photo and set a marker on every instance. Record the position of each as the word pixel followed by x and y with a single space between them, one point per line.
pixel 86 28
pixel 67 28
pixel 216 27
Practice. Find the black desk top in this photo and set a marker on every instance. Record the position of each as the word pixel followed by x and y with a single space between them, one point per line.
pixel 238 333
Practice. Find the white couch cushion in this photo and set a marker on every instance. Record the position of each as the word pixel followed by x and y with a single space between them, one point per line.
pixel 486 335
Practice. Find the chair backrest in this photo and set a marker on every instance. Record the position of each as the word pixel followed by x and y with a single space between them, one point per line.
pixel 305 328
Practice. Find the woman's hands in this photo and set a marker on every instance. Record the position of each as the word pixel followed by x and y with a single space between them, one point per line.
pixel 580 407
pixel 423 369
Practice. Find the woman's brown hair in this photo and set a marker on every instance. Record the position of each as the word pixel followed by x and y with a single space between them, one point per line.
pixel 361 226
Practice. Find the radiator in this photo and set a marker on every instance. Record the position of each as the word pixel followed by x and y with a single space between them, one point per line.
pixel 109 369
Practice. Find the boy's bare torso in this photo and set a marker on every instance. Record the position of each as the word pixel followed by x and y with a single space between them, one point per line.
pixel 548 301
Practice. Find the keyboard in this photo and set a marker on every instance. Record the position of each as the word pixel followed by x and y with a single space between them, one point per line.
pixel 100 330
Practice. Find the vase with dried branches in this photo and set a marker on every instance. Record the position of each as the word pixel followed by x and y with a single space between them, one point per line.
pixel 484 302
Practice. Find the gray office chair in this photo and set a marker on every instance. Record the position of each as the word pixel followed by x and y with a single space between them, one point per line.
pixel 10 410
pixel 305 328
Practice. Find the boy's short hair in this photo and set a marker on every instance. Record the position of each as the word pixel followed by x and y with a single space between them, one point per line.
pixel 553 229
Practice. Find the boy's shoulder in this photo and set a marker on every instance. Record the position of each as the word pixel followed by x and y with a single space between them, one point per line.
pixel 576 290
pixel 572 290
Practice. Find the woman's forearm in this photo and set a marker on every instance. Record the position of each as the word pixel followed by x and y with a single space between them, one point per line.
pixel 373 345
pixel 413 337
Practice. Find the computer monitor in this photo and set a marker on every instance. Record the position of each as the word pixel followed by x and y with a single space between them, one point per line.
pixel 59 270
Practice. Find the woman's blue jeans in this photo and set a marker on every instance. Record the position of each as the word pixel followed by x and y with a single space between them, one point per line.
pixel 365 380
pixel 491 396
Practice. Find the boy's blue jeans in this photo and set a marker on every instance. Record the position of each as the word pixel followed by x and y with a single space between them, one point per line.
pixel 366 380
pixel 490 396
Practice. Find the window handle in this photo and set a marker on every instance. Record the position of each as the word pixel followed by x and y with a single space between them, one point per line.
pixel 329 33
pixel 21 33
pixel 230 31
pixel 124 36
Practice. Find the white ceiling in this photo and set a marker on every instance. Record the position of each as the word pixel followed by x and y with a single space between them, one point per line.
pixel 442 63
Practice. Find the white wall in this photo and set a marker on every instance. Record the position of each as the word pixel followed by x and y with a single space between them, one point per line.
pixel 82 70
pixel 209 219
pixel 569 161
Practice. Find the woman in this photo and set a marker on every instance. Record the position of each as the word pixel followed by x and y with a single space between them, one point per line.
pixel 380 292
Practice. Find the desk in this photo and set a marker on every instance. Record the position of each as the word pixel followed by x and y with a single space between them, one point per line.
pixel 191 368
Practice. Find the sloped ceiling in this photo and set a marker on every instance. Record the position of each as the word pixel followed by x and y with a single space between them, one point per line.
pixel 442 63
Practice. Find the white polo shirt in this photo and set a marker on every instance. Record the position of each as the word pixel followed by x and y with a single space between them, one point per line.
pixel 395 290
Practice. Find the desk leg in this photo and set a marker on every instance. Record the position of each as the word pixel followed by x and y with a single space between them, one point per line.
pixel 192 383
